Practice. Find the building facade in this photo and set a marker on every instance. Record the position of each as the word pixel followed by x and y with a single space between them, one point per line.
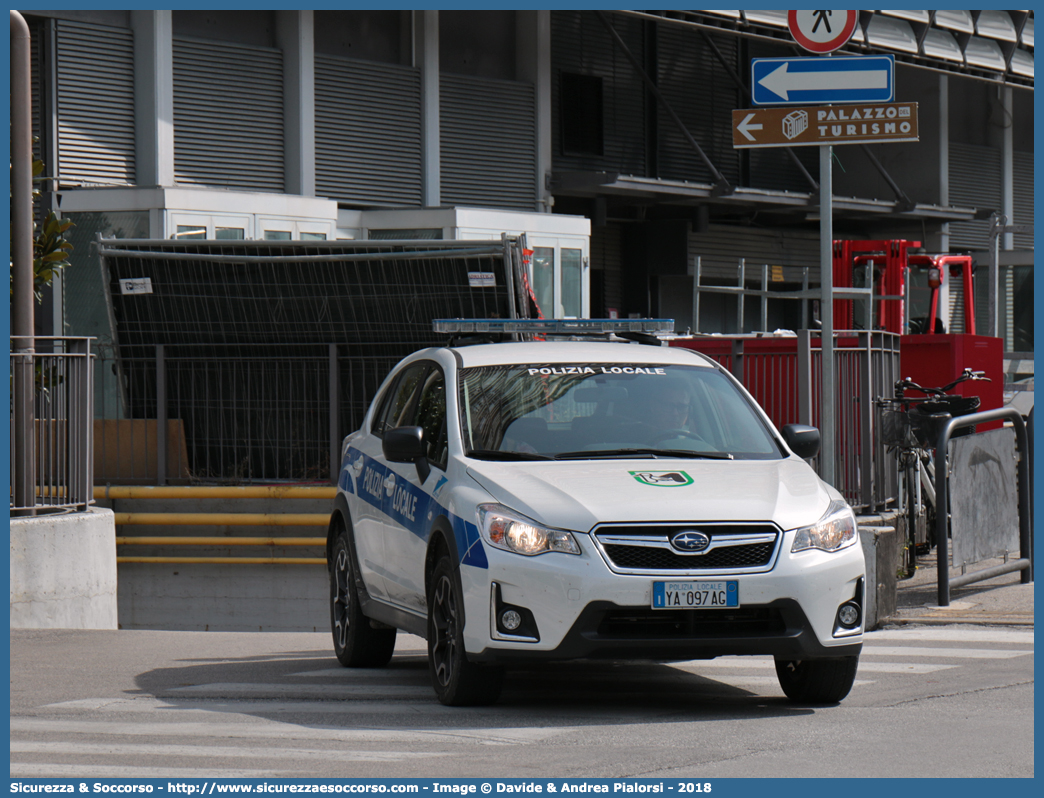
pixel 605 137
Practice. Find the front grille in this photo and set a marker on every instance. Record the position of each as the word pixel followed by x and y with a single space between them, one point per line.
pixel 644 558
pixel 647 548
pixel 639 624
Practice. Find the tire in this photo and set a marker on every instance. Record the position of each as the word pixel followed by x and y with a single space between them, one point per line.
pixel 356 643
pixel 457 682
pixel 817 681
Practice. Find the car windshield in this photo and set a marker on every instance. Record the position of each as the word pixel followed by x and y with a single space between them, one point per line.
pixel 585 410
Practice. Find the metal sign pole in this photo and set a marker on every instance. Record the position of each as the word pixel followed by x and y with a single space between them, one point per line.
pixel 826 313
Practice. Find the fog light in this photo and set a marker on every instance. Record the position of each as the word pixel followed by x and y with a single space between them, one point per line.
pixel 848 615
pixel 510 620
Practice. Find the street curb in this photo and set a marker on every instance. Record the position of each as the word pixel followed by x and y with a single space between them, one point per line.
pixel 947 620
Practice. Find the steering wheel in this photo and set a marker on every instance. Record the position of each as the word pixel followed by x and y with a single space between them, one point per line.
pixel 636 430
pixel 676 433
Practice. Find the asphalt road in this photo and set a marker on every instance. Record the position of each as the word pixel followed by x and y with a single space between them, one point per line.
pixel 940 701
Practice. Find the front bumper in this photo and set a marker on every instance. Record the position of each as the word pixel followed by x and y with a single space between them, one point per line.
pixel 582 609
pixel 608 631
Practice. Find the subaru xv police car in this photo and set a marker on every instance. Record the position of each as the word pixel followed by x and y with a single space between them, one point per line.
pixel 550 500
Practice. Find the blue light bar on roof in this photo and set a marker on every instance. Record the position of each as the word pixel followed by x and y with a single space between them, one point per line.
pixel 552 326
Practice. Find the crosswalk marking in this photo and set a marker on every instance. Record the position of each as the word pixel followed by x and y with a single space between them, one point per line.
pixel 761 663
pixel 260 728
pixel 958 653
pixel 42 770
pixel 324 690
pixel 1013 636
pixel 207 750
pixel 348 674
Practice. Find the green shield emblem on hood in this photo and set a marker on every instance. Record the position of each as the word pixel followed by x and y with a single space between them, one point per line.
pixel 662 479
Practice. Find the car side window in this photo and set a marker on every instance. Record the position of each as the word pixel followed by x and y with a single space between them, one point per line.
pixel 431 416
pixel 377 426
pixel 398 402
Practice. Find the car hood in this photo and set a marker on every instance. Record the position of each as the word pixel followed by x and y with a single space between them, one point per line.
pixel 580 494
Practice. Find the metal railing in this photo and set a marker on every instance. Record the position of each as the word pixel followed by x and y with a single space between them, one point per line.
pixel 52 459
pixel 784 375
pixel 241 414
pixel 942 490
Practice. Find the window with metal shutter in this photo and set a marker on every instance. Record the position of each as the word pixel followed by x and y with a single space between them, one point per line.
pixel 608 262
pixel 95 105
pixel 955 311
pixel 37 73
pixel 975 181
pixel 367 132
pixel 702 94
pixel 580 44
pixel 1023 168
pixel 720 249
pixel 39 80
pixel 487 142
pixel 228 115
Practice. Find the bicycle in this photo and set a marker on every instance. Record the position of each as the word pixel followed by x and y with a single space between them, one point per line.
pixel 909 426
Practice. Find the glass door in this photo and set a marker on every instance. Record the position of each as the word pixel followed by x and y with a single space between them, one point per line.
pixel 560 278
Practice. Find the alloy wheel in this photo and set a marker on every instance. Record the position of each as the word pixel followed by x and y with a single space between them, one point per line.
pixel 444 620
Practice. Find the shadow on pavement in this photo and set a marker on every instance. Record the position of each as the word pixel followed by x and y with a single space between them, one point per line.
pixel 311 688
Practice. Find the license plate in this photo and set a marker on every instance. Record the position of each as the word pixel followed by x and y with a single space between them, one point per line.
pixel 695 595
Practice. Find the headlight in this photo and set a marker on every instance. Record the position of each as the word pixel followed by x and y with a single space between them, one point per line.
pixel 507 530
pixel 835 530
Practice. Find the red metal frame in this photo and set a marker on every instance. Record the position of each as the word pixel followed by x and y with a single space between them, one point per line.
pixel 891 257
pixel 890 260
pixel 943 264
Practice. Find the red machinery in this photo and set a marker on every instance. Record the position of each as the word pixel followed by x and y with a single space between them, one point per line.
pixel 929 355
pixel 901 278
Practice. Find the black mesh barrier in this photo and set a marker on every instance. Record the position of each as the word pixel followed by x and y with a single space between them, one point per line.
pixel 246 329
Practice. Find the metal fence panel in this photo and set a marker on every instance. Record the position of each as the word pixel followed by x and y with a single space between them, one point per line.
pixel 248 360
pixel 984 519
pixel 61 428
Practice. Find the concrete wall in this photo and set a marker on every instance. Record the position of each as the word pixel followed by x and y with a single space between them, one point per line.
pixel 63 571
pixel 224 598
pixel 880 540
pixel 215 596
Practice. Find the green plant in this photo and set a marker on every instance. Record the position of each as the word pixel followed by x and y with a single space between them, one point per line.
pixel 50 255
pixel 50 246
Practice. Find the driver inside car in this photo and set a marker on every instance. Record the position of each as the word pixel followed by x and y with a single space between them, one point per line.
pixel 658 415
pixel 667 408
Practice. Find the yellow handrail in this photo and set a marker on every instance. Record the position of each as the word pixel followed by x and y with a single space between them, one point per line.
pixel 211 541
pixel 215 492
pixel 228 560
pixel 219 519
pixel 224 519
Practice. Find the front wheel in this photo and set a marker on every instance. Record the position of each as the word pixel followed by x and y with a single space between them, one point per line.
pixel 817 681
pixel 356 643
pixel 457 682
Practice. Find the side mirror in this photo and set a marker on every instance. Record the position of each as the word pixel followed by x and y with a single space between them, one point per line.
pixel 406 445
pixel 802 440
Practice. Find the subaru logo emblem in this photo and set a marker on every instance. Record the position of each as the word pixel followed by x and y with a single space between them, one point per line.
pixel 690 541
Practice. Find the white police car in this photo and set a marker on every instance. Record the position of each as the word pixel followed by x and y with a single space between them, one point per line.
pixel 513 502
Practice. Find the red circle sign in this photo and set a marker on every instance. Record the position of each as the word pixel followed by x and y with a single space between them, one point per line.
pixel 822 31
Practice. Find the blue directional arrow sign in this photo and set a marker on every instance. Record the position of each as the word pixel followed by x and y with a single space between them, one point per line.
pixel 798 81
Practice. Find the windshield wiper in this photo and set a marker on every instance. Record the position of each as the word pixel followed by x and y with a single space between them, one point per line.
pixel 610 453
pixel 495 454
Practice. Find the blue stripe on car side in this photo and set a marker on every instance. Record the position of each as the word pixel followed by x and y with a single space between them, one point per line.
pixel 346 483
pixel 408 505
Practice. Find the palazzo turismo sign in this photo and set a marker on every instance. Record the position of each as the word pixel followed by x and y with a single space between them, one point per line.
pixel 824 124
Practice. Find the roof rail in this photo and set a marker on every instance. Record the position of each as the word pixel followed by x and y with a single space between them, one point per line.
pixel 553 326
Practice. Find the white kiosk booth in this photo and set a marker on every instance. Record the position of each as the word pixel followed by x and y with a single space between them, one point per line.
pixel 559 268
